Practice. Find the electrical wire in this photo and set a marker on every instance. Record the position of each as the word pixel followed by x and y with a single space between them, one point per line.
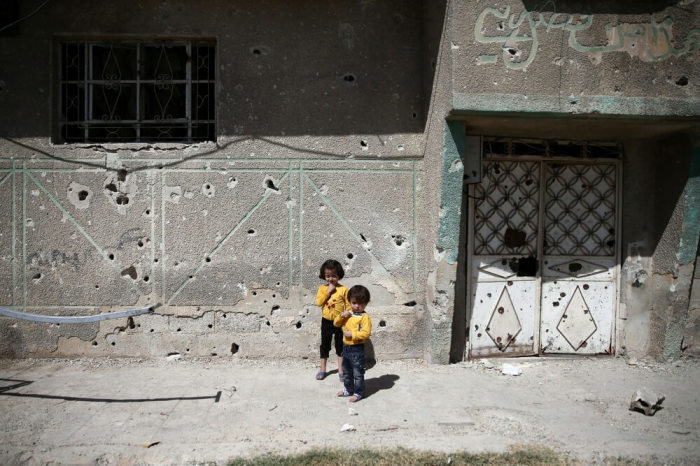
pixel 7 26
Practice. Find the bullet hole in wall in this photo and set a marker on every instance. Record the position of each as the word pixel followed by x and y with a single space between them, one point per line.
pixel 94 343
pixel 275 307
pixel 398 239
pixel 410 303
pixel 208 259
pixel 146 278
pixel 350 255
pixel 37 276
pixel 682 81
pixel 382 323
pixel 234 348
pixel 122 199
pixel 82 195
pixel 251 232
pixel 298 324
pixel 130 322
pixel 130 271
pixel 210 326
pixel 269 184
pixel 254 293
pixel 349 78
pixel 111 187
pixel 111 257
pixel 121 174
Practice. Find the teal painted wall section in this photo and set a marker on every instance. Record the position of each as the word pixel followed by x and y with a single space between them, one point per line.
pixel 687 249
pixel 451 193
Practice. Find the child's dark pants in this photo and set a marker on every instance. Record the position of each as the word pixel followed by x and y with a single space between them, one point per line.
pixel 328 330
pixel 354 369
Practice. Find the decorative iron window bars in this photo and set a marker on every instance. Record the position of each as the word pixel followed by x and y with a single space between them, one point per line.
pixel 579 202
pixel 137 91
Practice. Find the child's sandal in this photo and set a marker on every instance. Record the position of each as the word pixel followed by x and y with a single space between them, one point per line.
pixel 355 398
pixel 344 392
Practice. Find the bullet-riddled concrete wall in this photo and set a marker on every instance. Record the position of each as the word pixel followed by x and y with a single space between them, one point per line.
pixel 331 141
pixel 321 110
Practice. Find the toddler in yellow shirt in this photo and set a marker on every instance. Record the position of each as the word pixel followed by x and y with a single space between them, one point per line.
pixel 357 328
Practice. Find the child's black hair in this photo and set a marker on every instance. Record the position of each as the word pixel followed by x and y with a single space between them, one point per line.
pixel 332 265
pixel 360 293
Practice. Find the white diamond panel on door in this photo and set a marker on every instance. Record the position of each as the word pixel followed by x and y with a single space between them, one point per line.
pixel 576 316
pixel 503 315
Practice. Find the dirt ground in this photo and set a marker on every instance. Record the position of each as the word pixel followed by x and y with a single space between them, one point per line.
pixel 107 411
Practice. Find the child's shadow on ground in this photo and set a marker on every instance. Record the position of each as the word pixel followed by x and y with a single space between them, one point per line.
pixel 383 382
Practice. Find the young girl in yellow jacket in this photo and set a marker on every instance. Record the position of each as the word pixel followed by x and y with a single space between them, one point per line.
pixel 332 298
pixel 357 328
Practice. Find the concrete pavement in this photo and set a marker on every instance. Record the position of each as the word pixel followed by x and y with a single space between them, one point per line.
pixel 122 411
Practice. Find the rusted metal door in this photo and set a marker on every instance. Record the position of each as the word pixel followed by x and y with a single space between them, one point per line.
pixel 579 273
pixel 542 249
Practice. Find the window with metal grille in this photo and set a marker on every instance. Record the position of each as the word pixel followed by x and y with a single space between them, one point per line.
pixel 137 91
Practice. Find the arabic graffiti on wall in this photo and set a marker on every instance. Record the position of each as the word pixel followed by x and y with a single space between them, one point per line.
pixel 518 34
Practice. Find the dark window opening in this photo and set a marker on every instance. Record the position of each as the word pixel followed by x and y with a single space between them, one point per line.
pixel 137 91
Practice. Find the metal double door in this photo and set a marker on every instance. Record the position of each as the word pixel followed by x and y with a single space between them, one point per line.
pixel 543 242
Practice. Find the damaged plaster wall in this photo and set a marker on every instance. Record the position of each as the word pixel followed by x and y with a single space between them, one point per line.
pixel 319 154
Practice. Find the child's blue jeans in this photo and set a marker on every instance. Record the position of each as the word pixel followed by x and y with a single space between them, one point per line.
pixel 354 369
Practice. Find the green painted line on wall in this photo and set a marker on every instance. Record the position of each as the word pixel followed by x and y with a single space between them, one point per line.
pixel 690 233
pixel 301 229
pixel 67 170
pixel 24 235
pixel 290 216
pixel 596 106
pixel 223 241
pixel 415 235
pixel 358 170
pixel 162 233
pixel 11 176
pixel 14 235
pixel 228 170
pixel 78 227
pixel 346 224
pixel 153 237
pixel 451 193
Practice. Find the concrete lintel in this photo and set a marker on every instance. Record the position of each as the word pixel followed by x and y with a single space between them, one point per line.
pixel 602 106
